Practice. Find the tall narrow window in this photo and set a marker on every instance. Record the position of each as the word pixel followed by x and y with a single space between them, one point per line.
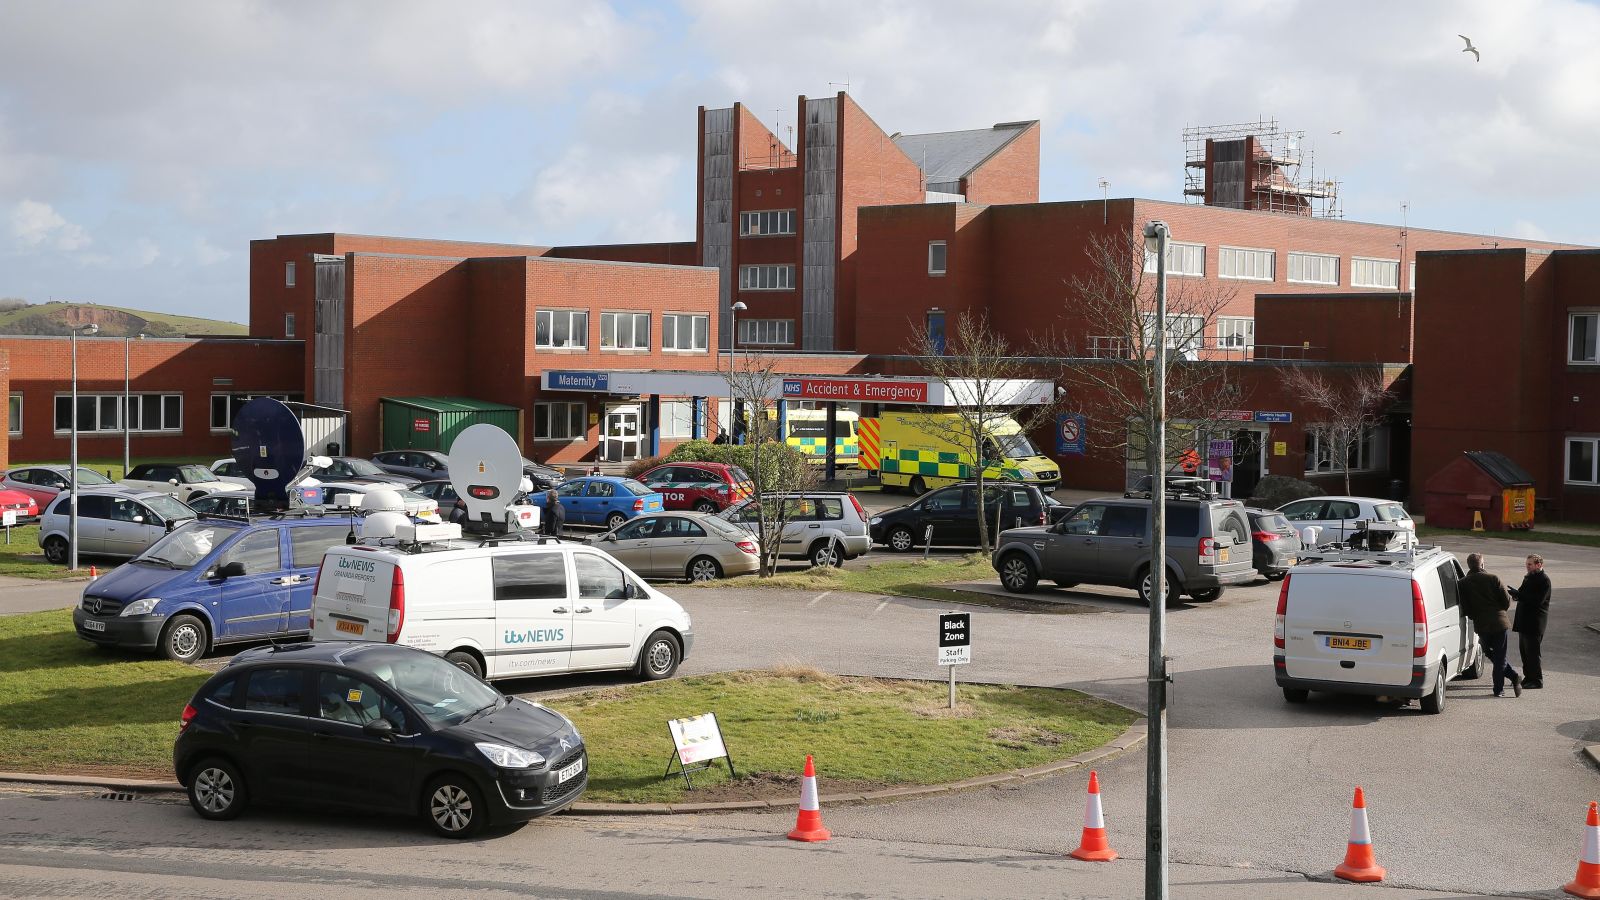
pixel 288 325
pixel 288 274
pixel 1583 345
pixel 936 257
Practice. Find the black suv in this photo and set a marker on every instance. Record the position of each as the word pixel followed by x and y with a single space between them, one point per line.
pixel 1107 541
pixel 380 727
pixel 953 513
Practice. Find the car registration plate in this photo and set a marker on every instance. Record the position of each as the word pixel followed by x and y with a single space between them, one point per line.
pixel 349 627
pixel 1291 561
pixel 568 773
pixel 1222 555
pixel 1349 643
pixel 93 625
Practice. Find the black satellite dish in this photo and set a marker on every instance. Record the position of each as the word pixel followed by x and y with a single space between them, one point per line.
pixel 270 449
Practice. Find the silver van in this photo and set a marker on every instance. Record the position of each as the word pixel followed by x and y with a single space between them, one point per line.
pixel 1107 541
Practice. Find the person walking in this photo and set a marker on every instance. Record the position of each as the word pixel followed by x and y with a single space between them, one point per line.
pixel 555 515
pixel 1533 613
pixel 1485 601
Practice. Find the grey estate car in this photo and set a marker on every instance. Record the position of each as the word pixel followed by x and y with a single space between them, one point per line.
pixel 1107 541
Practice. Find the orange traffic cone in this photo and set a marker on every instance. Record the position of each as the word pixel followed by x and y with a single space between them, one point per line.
pixel 1359 864
pixel 1094 847
pixel 808 824
pixel 93 573
pixel 1587 884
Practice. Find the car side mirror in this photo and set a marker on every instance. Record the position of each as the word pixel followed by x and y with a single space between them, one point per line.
pixel 138 520
pixel 379 728
pixel 609 536
pixel 629 591
pixel 172 481
pixel 230 570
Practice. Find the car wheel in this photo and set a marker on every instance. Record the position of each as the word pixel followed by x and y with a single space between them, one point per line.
pixel 705 506
pixel 1276 576
pixel 1206 596
pixel 826 553
pixel 1296 695
pixel 918 486
pixel 56 550
pixel 703 568
pixel 454 808
pixel 660 657
pixel 1433 704
pixel 901 540
pixel 615 519
pixel 184 639
pixel 1017 574
pixel 1146 586
pixel 216 791
pixel 465 661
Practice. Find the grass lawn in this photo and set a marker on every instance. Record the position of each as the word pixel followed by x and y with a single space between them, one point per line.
pixel 68 707
pixel 1546 537
pixel 23 558
pixel 864 732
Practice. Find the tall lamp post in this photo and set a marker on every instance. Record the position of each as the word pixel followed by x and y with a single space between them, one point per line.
pixel 733 346
pixel 72 501
pixel 1155 812
pixel 127 399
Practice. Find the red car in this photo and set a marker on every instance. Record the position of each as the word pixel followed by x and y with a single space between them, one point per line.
pixel 701 486
pixel 26 508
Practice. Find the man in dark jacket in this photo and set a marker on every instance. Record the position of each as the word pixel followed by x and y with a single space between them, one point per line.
pixel 1533 611
pixel 1485 601
pixel 555 515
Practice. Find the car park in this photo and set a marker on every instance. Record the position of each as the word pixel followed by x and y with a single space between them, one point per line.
pixel 1339 517
pixel 701 486
pixel 499 608
pixel 687 545
pixel 305 492
pixel 210 582
pixel 42 483
pixel 1274 544
pixel 1374 622
pixel 419 464
pixel 952 512
pixel 378 728
pixel 821 528
pixel 221 505
pixel 1107 541
pixel 355 470
pixel 112 521
pixel 22 506
pixel 441 492
pixel 602 500
pixel 186 481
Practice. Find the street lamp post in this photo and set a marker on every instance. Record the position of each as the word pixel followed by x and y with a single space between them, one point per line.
pixel 1156 851
pixel 72 476
pixel 733 347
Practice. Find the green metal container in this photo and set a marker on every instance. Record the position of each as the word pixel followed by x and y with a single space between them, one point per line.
pixel 432 423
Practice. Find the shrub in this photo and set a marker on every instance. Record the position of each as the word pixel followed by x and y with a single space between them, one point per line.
pixel 1274 491
pixel 640 466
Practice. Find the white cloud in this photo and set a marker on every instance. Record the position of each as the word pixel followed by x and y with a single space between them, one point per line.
pixel 37 225
pixel 608 191
pixel 1522 228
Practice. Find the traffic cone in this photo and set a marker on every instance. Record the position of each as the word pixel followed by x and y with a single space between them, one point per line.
pixel 93 573
pixel 808 824
pixel 1587 883
pixel 1359 864
pixel 1094 847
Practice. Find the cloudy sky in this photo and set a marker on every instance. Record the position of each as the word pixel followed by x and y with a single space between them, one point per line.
pixel 142 145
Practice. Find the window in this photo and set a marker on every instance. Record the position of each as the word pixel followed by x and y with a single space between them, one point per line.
pixel 1448 586
pixel 258 552
pixel 1374 273
pixel 559 422
pixel 1313 268
pixel 681 331
pixel 1249 265
pixel 225 406
pixel 1185 334
pixel 14 414
pixel 125 510
pixel 936 257
pixel 678 528
pixel 1366 454
pixel 1123 521
pixel 275 690
pixel 766 331
pixel 307 543
pixel 624 331
pixel 100 412
pixel 766 278
pixel 534 576
pixel 94 506
pixel 1084 520
pixel 598 579
pixel 1236 332
pixel 677 418
pixel 1182 259
pixel 1583 330
pixel 1581 458
pixel 1413 279
pixel 288 325
pixel 561 329
pixel 766 222
pixel 288 274
pixel 341 698
pixel 600 489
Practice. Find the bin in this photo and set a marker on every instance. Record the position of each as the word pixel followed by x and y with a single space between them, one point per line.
pixel 1480 483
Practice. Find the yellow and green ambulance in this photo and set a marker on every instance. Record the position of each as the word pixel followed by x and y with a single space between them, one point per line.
pixel 921 451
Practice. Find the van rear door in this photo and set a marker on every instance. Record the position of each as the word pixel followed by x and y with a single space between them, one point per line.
pixel 1351 625
pixel 352 598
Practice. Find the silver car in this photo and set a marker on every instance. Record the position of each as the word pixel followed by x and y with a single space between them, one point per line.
pixel 820 526
pixel 1337 518
pixel 112 521
pixel 688 545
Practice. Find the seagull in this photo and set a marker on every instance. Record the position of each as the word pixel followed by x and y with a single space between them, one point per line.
pixel 1340 131
pixel 1470 49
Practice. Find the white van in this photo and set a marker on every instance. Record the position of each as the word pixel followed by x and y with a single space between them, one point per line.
pixel 1382 623
pixel 501 609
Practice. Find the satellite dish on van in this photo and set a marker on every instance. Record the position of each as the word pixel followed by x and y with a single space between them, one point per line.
pixel 382 525
pixel 383 500
pixel 486 470
pixel 269 448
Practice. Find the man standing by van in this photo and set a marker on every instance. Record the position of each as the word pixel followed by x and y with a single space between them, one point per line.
pixel 1533 612
pixel 1485 600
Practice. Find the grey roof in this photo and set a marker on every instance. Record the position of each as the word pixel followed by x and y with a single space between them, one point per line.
pixel 948 156
pixel 1500 467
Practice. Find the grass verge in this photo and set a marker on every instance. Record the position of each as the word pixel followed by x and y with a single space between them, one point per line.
pixel 22 557
pixel 902 577
pixel 865 733
pixel 1543 537
pixel 67 707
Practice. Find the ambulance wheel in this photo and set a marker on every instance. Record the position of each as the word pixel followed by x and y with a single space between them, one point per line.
pixel 660 657
pixel 918 486
pixel 901 540
pixel 614 520
pixel 705 506
pixel 465 661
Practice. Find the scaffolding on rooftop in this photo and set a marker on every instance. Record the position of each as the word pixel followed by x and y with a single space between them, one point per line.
pixel 1256 165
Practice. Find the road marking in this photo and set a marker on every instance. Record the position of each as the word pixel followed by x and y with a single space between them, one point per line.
pixel 881 604
pixel 816 598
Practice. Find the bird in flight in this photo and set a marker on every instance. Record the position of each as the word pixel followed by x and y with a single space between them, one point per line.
pixel 1340 131
pixel 1469 48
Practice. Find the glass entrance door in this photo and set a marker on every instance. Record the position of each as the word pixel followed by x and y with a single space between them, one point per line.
pixel 620 441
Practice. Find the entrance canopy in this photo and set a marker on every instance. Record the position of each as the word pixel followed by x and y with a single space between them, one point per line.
pixel 845 389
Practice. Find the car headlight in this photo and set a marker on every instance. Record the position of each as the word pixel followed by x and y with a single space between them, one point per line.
pixel 510 757
pixel 140 607
pixel 876 520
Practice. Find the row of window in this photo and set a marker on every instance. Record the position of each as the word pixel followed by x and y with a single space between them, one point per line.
pixel 225 406
pixel 766 332
pixel 766 278
pixel 568 420
pixel 1186 334
pixel 766 222
pixel 568 329
pixel 103 412
pixel 1251 264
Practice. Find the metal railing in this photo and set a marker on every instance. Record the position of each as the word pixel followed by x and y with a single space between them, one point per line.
pixel 1203 349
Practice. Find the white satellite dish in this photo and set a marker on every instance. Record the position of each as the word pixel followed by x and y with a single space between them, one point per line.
pixel 485 469
pixel 382 525
pixel 383 500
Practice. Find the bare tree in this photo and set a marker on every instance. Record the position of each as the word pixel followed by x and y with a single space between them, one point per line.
pixel 989 382
pixel 1112 359
pixel 1348 410
pixel 776 469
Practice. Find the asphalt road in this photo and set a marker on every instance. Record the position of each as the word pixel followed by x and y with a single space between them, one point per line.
pixel 1486 799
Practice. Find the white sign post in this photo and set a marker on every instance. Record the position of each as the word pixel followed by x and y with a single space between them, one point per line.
pixel 955 645
pixel 8 518
pixel 697 743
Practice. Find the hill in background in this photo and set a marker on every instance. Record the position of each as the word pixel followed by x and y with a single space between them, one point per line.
pixel 58 317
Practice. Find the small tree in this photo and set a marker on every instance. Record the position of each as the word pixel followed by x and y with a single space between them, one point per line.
pixel 1347 409
pixel 775 468
pixel 988 380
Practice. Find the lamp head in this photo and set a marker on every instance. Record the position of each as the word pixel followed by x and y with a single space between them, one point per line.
pixel 740 307
pixel 1155 228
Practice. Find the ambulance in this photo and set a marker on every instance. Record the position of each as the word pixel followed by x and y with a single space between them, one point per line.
pixel 921 451
pixel 808 432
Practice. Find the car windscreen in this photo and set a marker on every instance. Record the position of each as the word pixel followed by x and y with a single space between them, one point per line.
pixel 168 507
pixel 635 488
pixel 363 468
pixel 90 476
pixel 1016 446
pixel 197 474
pixel 187 545
pixel 1392 512
pixel 444 694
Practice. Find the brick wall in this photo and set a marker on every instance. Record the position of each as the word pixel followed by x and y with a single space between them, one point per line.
pixel 5 413
pixel 1338 327
pixel 873 171
pixel 1011 175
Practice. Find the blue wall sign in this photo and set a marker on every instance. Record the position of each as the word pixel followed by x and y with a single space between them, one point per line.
pixel 1071 431
pixel 578 381
pixel 1274 417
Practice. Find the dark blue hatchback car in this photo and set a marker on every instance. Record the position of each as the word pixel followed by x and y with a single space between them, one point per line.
pixel 215 580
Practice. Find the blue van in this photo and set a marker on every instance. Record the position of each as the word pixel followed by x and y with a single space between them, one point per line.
pixel 212 581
